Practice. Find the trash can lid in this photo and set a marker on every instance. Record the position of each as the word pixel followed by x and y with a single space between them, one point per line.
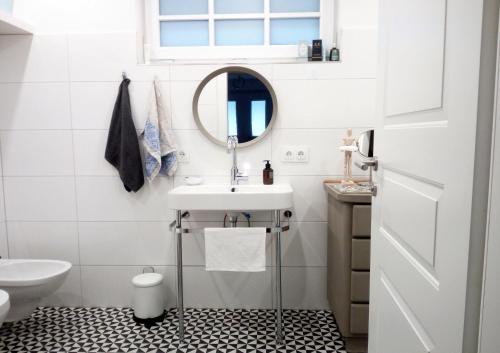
pixel 147 280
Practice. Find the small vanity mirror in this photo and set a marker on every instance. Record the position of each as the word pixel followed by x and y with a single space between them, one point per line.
pixel 235 101
pixel 365 143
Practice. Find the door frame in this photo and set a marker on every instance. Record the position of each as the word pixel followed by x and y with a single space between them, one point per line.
pixel 489 340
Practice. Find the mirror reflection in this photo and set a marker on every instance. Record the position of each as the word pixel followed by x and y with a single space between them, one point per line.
pixel 365 143
pixel 235 103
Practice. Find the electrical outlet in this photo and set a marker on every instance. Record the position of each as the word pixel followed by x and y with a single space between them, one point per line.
pixel 295 154
pixel 302 154
pixel 182 157
pixel 287 154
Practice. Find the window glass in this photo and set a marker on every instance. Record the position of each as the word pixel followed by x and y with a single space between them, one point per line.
pixel 184 7
pixel 239 6
pixel 232 125
pixel 290 31
pixel 239 32
pixel 183 33
pixel 258 117
pixel 295 5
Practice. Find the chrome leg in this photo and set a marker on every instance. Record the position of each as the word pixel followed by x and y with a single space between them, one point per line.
pixel 279 303
pixel 180 291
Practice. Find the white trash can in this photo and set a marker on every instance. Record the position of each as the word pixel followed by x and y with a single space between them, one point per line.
pixel 149 298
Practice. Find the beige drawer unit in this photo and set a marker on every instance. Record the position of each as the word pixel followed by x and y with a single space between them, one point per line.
pixel 360 257
pixel 348 275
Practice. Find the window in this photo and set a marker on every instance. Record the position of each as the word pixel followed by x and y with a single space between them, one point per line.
pixel 214 29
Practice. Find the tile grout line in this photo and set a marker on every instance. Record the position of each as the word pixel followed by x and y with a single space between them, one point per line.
pixel 69 82
pixel 4 201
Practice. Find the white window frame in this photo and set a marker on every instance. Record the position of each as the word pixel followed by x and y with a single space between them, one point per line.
pixel 211 52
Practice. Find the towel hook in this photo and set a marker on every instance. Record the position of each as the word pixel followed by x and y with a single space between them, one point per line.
pixel 124 75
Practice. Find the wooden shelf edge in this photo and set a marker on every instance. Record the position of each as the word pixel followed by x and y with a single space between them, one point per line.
pixel 12 25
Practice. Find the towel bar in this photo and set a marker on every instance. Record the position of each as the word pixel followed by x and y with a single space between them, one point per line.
pixel 268 230
pixel 276 229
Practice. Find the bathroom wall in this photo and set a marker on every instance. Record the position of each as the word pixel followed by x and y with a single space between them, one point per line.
pixel 63 201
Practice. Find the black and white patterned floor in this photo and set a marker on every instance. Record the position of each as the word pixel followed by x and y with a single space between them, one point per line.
pixel 112 330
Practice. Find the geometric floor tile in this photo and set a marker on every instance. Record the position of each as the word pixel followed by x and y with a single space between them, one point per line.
pixel 112 330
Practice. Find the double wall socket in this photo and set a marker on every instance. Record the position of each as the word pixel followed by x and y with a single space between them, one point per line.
pixel 295 154
pixel 182 157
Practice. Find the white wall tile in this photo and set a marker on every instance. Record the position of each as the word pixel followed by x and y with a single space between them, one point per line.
pixel 182 102
pixel 309 197
pixel 199 72
pixel 207 158
pixel 37 152
pixel 34 106
pixel 4 245
pixel 93 102
pixel 69 294
pixel 204 289
pixel 104 56
pixel 304 288
pixel 54 16
pixel 90 146
pixel 44 240
pixel 140 243
pixel 105 199
pixel 40 198
pixel 355 13
pixel 111 286
pixel 33 58
pixel 305 244
pixel 325 103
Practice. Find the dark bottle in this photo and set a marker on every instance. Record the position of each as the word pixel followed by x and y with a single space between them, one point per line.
pixel 268 174
pixel 334 53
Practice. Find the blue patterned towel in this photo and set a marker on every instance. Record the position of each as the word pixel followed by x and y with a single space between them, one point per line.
pixel 160 150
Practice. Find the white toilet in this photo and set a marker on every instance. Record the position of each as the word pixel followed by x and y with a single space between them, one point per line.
pixel 27 281
pixel 4 306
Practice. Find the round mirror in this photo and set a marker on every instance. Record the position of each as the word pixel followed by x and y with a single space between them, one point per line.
pixel 365 143
pixel 235 101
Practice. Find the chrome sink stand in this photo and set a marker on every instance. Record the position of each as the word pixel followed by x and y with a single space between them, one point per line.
pixel 276 229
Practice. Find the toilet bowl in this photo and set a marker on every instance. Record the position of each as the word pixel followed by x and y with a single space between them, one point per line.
pixel 4 306
pixel 28 281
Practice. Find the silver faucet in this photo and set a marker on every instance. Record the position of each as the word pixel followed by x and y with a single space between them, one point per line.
pixel 236 175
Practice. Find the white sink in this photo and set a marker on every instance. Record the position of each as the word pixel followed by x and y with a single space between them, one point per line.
pixel 231 197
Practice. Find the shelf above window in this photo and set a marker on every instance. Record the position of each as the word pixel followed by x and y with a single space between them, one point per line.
pixel 11 25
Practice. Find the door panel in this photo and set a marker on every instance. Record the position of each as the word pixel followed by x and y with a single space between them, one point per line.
pixel 415 54
pixel 428 76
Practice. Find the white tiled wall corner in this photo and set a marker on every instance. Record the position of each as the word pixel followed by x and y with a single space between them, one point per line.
pixel 38 58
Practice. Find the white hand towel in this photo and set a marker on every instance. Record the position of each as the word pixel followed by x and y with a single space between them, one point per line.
pixel 235 249
pixel 160 151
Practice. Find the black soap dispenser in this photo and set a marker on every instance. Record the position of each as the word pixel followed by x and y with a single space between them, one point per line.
pixel 268 174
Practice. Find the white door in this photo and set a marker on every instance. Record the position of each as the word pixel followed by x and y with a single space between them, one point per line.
pixel 425 141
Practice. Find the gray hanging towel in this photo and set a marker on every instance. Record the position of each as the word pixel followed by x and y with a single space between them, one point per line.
pixel 122 149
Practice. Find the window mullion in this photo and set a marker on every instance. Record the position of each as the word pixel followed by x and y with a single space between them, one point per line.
pixel 211 23
pixel 267 23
